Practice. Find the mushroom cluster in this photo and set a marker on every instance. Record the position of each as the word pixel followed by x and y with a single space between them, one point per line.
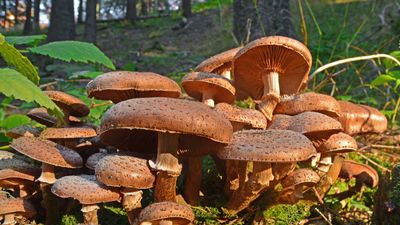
pixel 293 143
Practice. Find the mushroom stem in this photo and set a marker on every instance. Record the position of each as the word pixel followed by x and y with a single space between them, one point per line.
pixel 23 191
pixel 166 222
pixel 193 180
pixel 333 173
pixel 226 74
pixel 131 202
pixel 49 203
pixel 208 99
pixel 324 164
pixel 167 166
pixel 90 214
pixel 9 219
pixel 271 94
pixel 47 176
pixel 232 177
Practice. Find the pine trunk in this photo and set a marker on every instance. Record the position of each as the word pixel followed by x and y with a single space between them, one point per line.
pixel 80 12
pixel 131 10
pixel 244 20
pixel 186 8
pixel 36 15
pixel 90 21
pixel 16 11
pixel 28 16
pixel 62 21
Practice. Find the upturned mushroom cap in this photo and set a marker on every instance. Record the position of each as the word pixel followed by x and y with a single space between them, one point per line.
pixel 17 206
pixel 23 130
pixel 94 159
pixel 196 84
pixel 250 117
pixel 363 173
pixel 219 63
pixel 86 189
pixel 124 171
pixel 68 133
pixel 14 168
pixel 119 86
pixel 68 103
pixel 295 104
pixel 138 120
pixel 289 57
pixel 338 143
pixel 41 116
pixel 357 119
pixel 268 146
pixel 47 152
pixel 304 177
pixel 179 214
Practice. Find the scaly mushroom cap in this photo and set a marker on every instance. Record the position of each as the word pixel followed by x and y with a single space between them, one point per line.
pixel 17 206
pixel 288 57
pixel 14 168
pixel 41 116
pixel 219 63
pixel 124 171
pixel 119 86
pixel 23 130
pixel 363 173
pixel 94 159
pixel 47 152
pixel 177 213
pixel 305 177
pixel 357 119
pixel 250 117
pixel 198 83
pixel 68 103
pixel 68 133
pixel 138 120
pixel 295 104
pixel 268 146
pixel 338 143
pixel 86 189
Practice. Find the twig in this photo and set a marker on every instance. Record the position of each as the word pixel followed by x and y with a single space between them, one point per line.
pixel 385 146
pixel 372 162
pixel 101 104
pixel 323 216
pixel 48 84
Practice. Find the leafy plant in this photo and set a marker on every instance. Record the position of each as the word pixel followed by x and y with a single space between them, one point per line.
pixel 32 40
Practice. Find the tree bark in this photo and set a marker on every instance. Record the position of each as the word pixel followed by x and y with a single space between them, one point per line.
pixel 62 21
pixel 16 11
pixel 28 16
pixel 131 10
pixel 143 8
pixel 90 21
pixel 244 20
pixel 186 8
pixel 80 12
pixel 5 12
pixel 36 15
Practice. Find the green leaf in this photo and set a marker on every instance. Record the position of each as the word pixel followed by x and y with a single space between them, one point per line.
pixel 382 79
pixel 26 40
pixel 86 74
pixel 15 59
pixel 16 85
pixel 344 97
pixel 74 51
pixel 14 120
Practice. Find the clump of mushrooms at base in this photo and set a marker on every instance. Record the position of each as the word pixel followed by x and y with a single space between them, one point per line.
pixel 293 143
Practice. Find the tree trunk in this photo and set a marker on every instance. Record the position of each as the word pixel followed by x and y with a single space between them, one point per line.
pixel 5 12
pixel 80 12
pixel 16 11
pixel 244 20
pixel 36 15
pixel 131 10
pixel 186 8
pixel 90 21
pixel 28 16
pixel 62 21
pixel 143 8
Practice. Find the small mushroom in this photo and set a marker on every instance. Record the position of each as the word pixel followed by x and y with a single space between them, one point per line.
pixel 88 191
pixel 119 86
pixel 241 118
pixel 68 136
pixel 12 207
pixel 364 174
pixel 68 103
pixel 41 116
pixel 166 213
pixel 269 67
pixel 23 130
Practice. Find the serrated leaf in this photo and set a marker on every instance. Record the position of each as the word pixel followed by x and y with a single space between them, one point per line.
pixel 13 84
pixel 74 51
pixel 382 79
pixel 14 121
pixel 15 59
pixel 26 40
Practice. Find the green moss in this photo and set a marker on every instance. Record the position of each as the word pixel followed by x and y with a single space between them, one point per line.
pixel 283 214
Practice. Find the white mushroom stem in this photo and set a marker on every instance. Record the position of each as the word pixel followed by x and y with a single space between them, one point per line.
pixel 132 203
pixel 324 164
pixel 166 222
pixel 193 180
pixel 47 176
pixel 9 219
pixel 167 166
pixel 90 214
pixel 208 98
pixel 226 74
pixel 271 94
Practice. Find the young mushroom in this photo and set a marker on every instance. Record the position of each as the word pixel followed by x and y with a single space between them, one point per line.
pixel 12 207
pixel 70 105
pixel 363 173
pixel 166 213
pixel 88 191
pixel 41 116
pixel 68 136
pixel 23 130
pixel 269 67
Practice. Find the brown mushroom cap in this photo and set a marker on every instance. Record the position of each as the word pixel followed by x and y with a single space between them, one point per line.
pixel 268 146
pixel 94 159
pixel 338 143
pixel 124 171
pixel 357 119
pixel 305 177
pixel 138 120
pixel 17 206
pixel 68 103
pixel 219 63
pixel 363 173
pixel 41 116
pixel 23 130
pixel 295 104
pixel 68 133
pixel 250 117
pixel 118 86
pixel 86 189
pixel 180 214
pixel 14 168
pixel 47 152
pixel 289 57
pixel 198 83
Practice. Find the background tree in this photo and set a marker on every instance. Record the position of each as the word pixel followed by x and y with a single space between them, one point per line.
pixel 130 10
pixel 186 8
pixel 80 11
pixel 5 11
pixel 90 21
pixel 16 11
pixel 62 21
pixel 245 23
pixel 28 16
pixel 143 8
pixel 36 15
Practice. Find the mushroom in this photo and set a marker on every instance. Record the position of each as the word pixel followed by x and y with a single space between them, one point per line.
pixel 119 86
pixel 166 213
pixel 219 64
pixel 269 67
pixel 51 155
pixel 130 173
pixel 357 119
pixel 296 104
pixel 23 130
pixel 165 121
pixel 69 104
pixel 41 116
pixel 262 147
pixel 94 159
pixel 88 191
pixel 68 136
pixel 12 207
pixel 363 173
